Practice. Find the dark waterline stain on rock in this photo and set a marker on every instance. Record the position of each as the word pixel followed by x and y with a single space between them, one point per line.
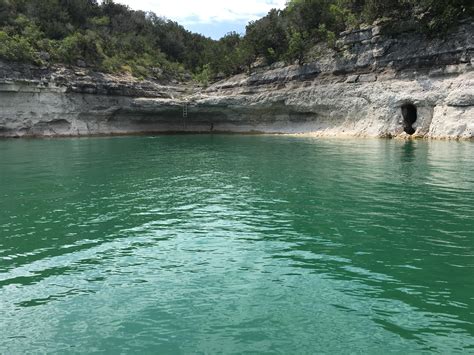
pixel 410 115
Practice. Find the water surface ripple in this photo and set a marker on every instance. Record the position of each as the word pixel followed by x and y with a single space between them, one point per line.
pixel 234 244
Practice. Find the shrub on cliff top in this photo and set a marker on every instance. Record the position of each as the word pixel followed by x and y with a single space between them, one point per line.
pixel 16 48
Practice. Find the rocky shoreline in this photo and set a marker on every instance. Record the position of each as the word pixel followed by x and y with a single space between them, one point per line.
pixel 380 81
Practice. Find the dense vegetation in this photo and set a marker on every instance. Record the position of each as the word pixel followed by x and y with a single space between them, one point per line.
pixel 286 35
pixel 112 38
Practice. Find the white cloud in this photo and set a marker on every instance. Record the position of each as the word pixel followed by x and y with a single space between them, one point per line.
pixel 189 12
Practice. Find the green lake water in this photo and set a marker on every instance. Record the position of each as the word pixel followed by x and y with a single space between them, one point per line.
pixel 208 244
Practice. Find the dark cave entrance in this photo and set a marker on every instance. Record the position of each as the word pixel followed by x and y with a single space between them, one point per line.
pixel 410 115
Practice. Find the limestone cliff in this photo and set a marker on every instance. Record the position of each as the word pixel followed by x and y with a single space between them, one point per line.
pixel 378 81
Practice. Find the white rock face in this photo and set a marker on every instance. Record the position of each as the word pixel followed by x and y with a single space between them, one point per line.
pixel 445 107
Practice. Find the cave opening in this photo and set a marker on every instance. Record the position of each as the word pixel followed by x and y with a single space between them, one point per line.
pixel 410 115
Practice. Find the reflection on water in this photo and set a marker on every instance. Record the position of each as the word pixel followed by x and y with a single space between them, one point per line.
pixel 185 244
pixel 409 149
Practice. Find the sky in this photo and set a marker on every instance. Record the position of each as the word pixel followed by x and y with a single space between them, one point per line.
pixel 212 18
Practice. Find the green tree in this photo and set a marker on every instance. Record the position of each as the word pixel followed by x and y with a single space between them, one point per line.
pixel 297 47
pixel 269 36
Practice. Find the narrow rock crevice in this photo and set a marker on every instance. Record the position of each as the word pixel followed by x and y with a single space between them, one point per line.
pixel 410 115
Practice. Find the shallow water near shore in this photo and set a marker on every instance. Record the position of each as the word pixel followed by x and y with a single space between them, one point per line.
pixel 231 244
